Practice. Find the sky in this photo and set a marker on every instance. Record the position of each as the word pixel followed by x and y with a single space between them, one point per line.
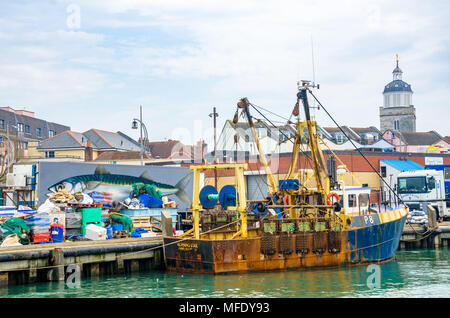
pixel 91 64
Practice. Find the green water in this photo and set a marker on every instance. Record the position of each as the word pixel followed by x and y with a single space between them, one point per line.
pixel 413 273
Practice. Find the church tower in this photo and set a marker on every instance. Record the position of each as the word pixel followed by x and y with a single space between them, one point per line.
pixel 397 112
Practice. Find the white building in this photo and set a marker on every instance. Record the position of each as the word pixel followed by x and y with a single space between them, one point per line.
pixel 397 112
pixel 271 139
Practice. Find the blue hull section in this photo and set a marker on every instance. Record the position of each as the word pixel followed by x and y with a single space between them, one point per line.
pixel 375 242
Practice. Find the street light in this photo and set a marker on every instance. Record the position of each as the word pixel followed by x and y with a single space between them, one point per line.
pixel 134 125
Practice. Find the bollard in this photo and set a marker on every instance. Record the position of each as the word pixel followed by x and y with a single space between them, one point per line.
pixel 431 216
pixel 32 273
pixel 166 224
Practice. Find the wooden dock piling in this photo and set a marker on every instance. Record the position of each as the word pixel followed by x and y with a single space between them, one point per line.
pixel 416 236
pixel 87 259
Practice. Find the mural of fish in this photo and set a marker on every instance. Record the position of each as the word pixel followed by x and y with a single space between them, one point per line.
pixel 118 185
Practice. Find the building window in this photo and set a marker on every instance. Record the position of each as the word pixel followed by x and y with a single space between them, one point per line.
pixel 396 125
pixel 247 138
pixel 39 132
pixel 2 124
pixel 20 127
pixel 51 133
pixel 383 172
pixel 27 129
pixel 49 154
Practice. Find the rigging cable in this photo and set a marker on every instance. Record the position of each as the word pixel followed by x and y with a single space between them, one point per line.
pixel 379 175
pixel 340 128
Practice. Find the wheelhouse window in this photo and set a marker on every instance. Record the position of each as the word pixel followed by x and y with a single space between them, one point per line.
pixel 363 200
pixel 412 185
pixel 351 200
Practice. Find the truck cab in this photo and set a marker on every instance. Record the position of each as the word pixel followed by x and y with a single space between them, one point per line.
pixel 446 171
pixel 419 188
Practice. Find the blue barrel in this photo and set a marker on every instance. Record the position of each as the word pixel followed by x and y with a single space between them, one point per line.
pixel 117 227
pixel 109 232
pixel 57 231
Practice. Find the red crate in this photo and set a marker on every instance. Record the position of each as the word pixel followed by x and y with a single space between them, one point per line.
pixel 40 237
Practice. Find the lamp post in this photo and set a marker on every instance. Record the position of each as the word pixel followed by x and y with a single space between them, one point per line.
pixel 214 115
pixel 134 125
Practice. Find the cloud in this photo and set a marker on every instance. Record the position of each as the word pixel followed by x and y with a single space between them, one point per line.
pixel 180 58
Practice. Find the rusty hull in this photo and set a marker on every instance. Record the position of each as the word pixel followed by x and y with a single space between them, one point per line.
pixel 241 255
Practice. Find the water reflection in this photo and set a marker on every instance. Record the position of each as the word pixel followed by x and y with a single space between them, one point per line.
pixel 413 273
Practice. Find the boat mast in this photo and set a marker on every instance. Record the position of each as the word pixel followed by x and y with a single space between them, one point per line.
pixel 244 104
pixel 320 169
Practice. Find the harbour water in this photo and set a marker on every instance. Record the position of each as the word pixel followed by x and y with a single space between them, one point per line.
pixel 413 273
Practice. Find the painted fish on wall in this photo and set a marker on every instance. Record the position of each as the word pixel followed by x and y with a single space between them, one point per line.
pixel 118 185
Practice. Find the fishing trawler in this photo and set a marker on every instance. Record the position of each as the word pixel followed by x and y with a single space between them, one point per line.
pixel 295 227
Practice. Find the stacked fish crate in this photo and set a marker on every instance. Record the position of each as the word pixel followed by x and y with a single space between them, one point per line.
pixel 417 217
pixel 102 197
pixel 39 224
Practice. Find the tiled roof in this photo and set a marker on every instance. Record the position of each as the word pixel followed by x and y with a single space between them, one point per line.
pixel 99 140
pixel 64 140
pixel 365 130
pixel 397 86
pixel 420 138
pixel 331 129
pixel 111 140
pixel 161 149
pixel 121 155
pixel 12 118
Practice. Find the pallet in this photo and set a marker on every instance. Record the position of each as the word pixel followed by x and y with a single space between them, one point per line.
pixel 119 234
pixel 146 223
pixel 142 222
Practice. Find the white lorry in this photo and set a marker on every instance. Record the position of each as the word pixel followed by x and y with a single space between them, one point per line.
pixel 420 188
